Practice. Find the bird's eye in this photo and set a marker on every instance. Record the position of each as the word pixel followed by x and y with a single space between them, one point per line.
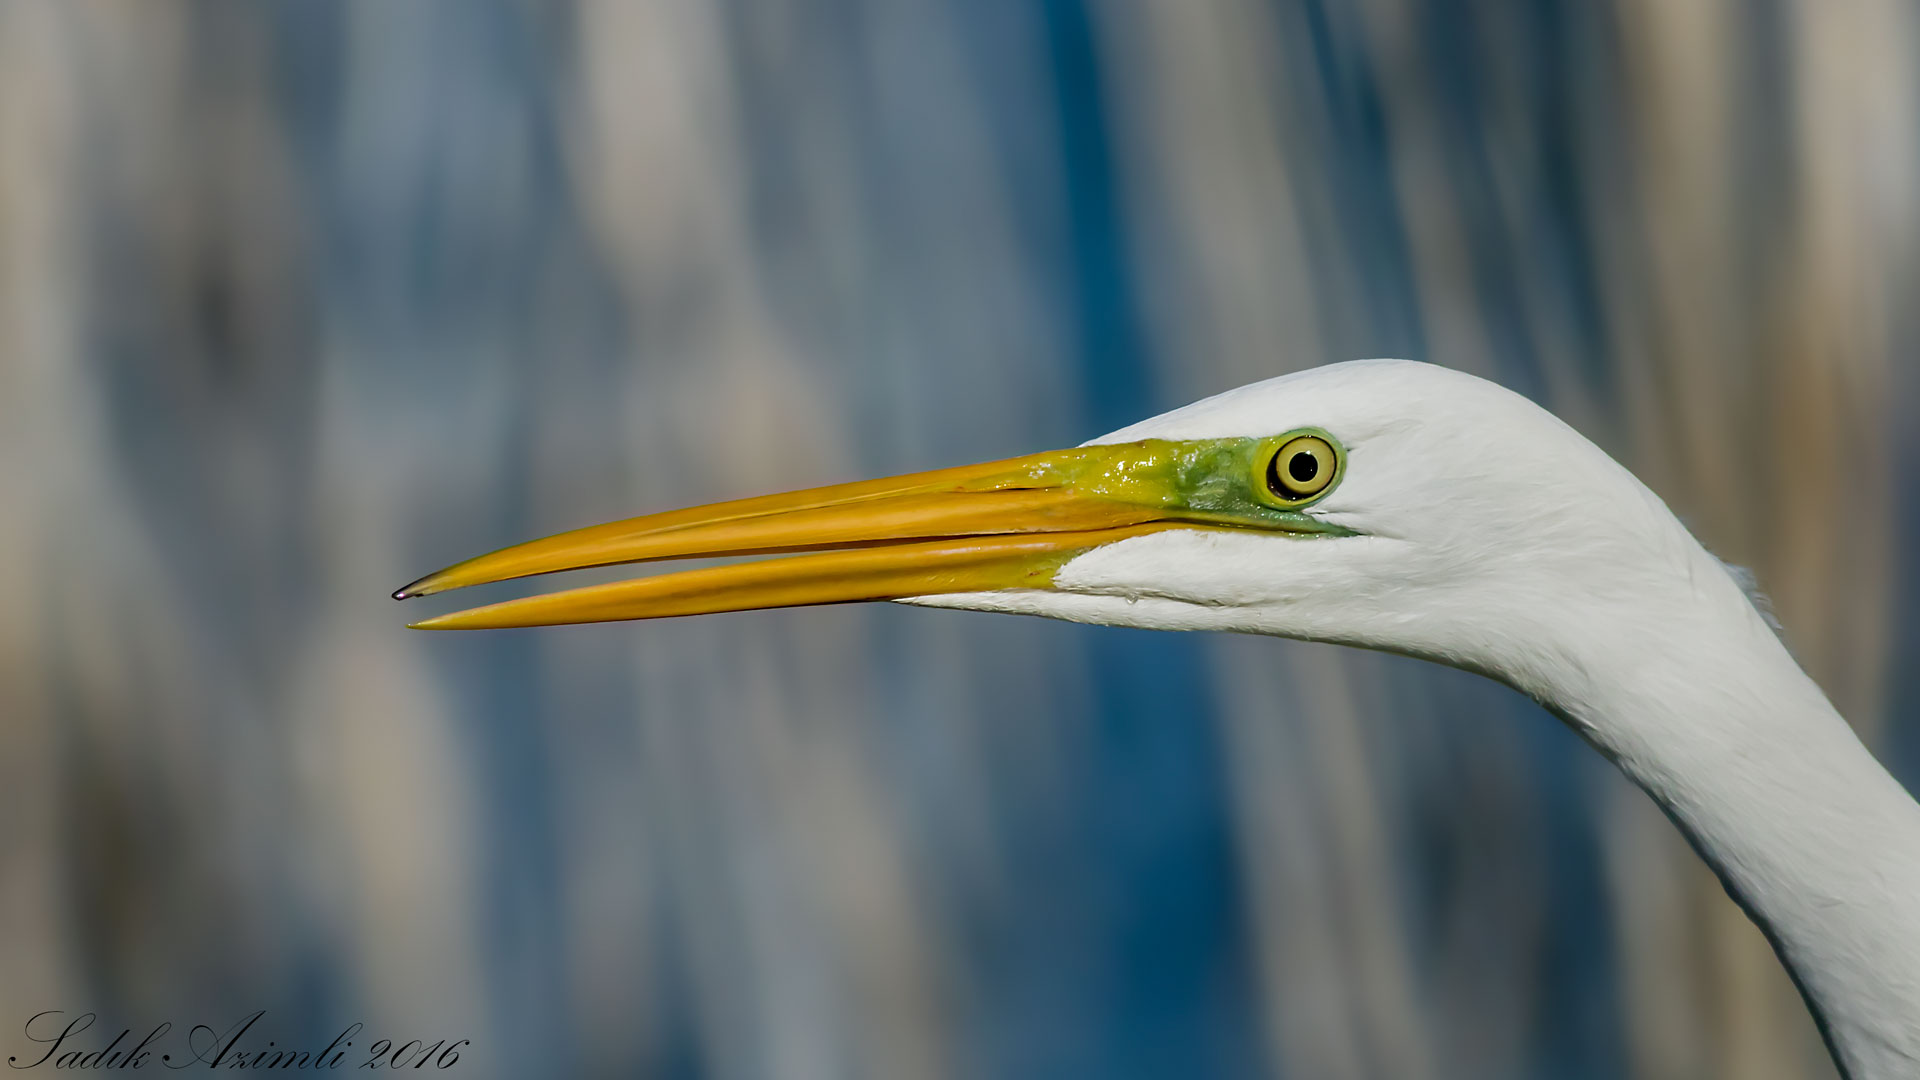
pixel 1303 467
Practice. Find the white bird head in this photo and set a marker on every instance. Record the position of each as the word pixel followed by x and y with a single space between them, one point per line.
pixel 1390 505
pixel 1381 503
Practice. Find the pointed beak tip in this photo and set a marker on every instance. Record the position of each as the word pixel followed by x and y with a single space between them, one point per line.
pixel 422 587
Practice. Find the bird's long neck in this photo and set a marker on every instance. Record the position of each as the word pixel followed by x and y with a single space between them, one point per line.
pixel 1811 835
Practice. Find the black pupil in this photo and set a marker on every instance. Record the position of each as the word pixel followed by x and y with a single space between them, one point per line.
pixel 1303 467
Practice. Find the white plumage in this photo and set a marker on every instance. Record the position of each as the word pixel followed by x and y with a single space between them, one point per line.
pixel 1493 537
pixel 1464 524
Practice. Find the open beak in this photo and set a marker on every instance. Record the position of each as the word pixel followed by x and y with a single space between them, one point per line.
pixel 978 528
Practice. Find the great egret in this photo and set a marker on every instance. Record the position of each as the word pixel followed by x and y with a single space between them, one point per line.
pixel 1389 505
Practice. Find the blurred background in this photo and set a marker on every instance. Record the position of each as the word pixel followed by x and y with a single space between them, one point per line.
pixel 300 300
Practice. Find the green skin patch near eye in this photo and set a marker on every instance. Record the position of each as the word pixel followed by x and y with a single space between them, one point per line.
pixel 1216 483
pixel 1206 481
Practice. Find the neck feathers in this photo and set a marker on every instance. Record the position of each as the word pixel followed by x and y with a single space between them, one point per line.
pixel 1810 835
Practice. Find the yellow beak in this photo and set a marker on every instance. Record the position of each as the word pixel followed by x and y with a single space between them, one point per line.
pixel 1002 525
